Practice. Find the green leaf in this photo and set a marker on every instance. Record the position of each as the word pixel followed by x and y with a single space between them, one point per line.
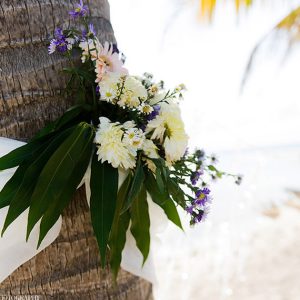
pixel 57 171
pixel 58 205
pixel 9 190
pixel 136 185
pixel 163 200
pixel 140 222
pixel 104 191
pixel 20 200
pixel 119 228
pixel 176 192
pixel 67 119
pixel 19 155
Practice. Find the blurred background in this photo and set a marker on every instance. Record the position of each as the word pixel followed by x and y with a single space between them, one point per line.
pixel 240 61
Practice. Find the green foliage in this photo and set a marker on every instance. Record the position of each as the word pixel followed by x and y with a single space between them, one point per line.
pixel 140 222
pixel 119 228
pixel 57 172
pixel 136 184
pixel 104 191
pixel 163 200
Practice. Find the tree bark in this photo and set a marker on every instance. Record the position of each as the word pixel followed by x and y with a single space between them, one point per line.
pixel 31 95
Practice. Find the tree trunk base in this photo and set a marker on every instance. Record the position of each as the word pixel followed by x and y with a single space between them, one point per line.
pixel 70 267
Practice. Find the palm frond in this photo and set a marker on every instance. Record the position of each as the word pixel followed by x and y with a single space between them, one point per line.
pixel 279 42
pixel 207 7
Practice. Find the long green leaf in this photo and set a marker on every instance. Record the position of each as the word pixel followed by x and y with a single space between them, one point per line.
pixel 57 172
pixel 58 205
pixel 66 120
pixel 140 222
pixel 176 192
pixel 136 185
pixel 10 189
pixel 19 155
pixel 163 200
pixel 104 192
pixel 119 228
pixel 22 193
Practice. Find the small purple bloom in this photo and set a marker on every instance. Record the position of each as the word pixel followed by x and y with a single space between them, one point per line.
pixel 202 214
pixel 202 196
pixel 190 209
pixel 200 155
pixel 60 42
pixel 90 33
pixel 80 10
pixel 195 177
pixel 98 90
pixel 154 113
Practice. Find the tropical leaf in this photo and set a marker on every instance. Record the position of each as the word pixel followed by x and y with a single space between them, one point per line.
pixel 59 204
pixel 289 28
pixel 119 228
pixel 68 119
pixel 19 155
pixel 57 172
pixel 136 185
pixel 163 200
pixel 26 180
pixel 140 222
pixel 208 7
pixel 176 192
pixel 10 189
pixel 104 192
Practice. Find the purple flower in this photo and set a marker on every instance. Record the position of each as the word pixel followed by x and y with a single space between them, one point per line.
pixel 202 214
pixel 202 196
pixel 195 176
pixel 60 42
pixel 190 209
pixel 80 10
pixel 89 33
pixel 154 113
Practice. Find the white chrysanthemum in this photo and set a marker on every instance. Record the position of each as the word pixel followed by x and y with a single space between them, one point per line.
pixel 150 149
pixel 136 87
pixel 127 98
pixel 129 124
pixel 134 139
pixel 168 128
pixel 109 86
pixel 110 146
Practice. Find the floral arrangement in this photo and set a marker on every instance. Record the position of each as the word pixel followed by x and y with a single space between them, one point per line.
pixel 119 123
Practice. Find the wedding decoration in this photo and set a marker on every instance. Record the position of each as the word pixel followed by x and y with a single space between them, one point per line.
pixel 119 123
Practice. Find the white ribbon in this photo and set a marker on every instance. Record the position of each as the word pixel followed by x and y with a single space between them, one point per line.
pixel 14 250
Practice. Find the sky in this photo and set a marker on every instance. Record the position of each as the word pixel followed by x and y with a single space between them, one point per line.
pixel 166 38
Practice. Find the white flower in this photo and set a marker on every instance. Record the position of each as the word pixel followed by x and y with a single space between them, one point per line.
pixel 90 49
pixel 134 139
pixel 150 149
pixel 133 93
pixel 110 146
pixel 168 129
pixel 145 108
pixel 136 87
pixel 157 98
pixel 129 124
pixel 107 61
pixel 109 86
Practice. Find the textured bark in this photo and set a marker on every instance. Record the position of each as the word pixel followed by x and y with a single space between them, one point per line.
pixel 31 94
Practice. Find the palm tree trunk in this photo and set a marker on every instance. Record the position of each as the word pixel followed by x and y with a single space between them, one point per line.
pixel 31 85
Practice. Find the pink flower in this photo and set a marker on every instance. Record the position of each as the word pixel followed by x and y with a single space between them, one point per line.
pixel 107 61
